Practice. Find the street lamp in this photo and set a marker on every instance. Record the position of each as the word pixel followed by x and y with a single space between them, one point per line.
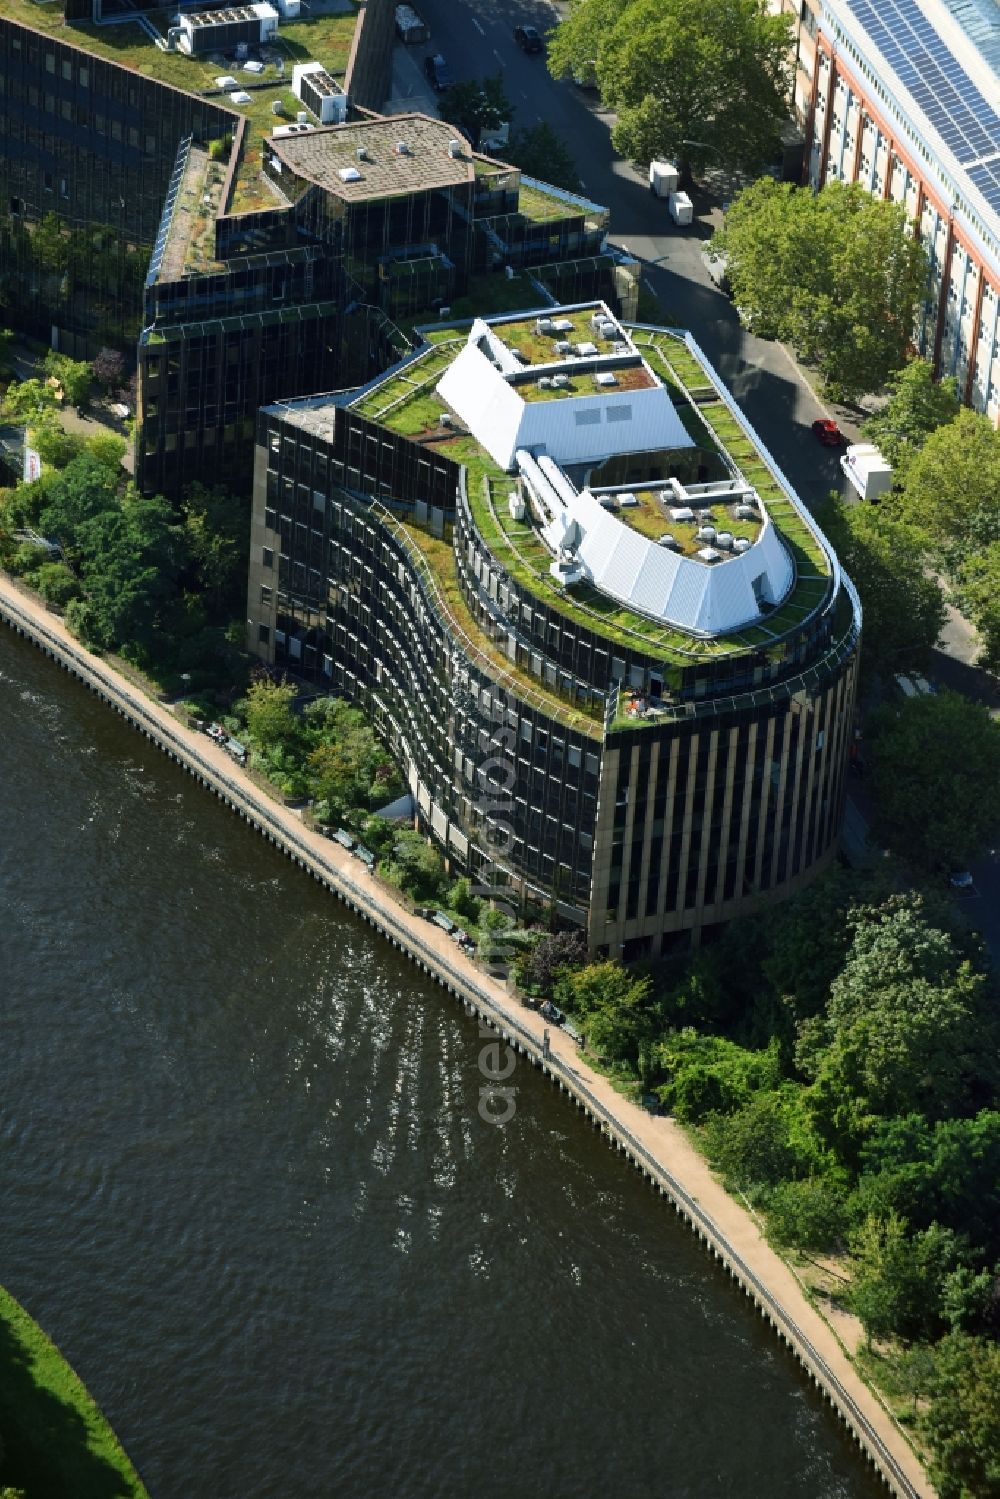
pixel 704 146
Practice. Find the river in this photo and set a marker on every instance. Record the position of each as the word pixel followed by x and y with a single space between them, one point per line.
pixel 245 1186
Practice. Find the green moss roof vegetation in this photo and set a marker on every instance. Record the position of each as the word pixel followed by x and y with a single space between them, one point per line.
pixel 325 39
pixel 407 402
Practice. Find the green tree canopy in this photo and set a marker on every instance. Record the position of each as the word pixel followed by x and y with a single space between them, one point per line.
pixel 269 716
pixel 903 604
pixel 918 405
pixel 907 1023
pixel 682 71
pixel 900 1280
pixel 477 106
pixel 836 273
pixel 936 778
pixel 27 400
pixel 952 485
pixel 73 375
pixel 217 529
pixel 976 591
pixel 963 1424
pixel 540 151
pixel 613 1008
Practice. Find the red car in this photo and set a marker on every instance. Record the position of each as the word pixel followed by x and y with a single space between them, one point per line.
pixel 827 432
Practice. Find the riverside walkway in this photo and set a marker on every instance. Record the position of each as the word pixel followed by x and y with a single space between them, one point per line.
pixel 657 1146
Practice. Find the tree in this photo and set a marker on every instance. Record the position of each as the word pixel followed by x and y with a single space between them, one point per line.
pixel 130 560
pixel 418 866
pixel 540 152
pixel 808 1214
pixel 57 584
pixel 976 580
pixel 904 607
pixel 678 72
pixel 963 1424
pixel 899 1279
pixel 907 1024
pixel 836 273
pixel 215 523
pixel 543 964
pixel 269 716
pixel 757 1146
pixel 477 106
pixel 73 375
pixel 54 445
pixel 936 778
pixel 952 486
pixel 612 1006
pixel 26 400
pixel 108 368
pixel 918 405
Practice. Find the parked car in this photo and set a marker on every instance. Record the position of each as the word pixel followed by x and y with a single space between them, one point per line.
pixel 528 38
pixel 826 431
pixel 439 75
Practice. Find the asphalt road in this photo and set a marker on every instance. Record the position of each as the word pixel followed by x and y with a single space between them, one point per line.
pixel 476 37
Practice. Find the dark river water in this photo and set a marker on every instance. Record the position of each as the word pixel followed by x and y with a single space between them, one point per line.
pixel 245 1186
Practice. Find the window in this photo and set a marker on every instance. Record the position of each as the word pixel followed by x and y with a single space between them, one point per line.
pixel 263 634
pixel 268 556
pixel 587 418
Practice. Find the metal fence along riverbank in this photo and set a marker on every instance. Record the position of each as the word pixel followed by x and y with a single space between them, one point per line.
pixel 649 1143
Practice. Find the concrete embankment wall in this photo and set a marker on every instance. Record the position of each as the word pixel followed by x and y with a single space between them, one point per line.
pixel 253 807
pixel 368 76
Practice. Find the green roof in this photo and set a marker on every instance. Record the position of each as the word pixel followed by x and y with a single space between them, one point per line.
pixel 406 401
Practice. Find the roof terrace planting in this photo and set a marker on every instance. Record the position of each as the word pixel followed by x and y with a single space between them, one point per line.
pixel 407 400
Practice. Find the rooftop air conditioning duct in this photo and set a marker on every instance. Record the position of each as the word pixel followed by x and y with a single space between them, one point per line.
pixel 402 149
pixel 560 381
pixel 741 544
pixel 543 325
pixel 362 153
pixel 605 378
pixel 667 541
pixel 563 346
pixel 454 148
pixel 724 540
pixel 706 533
pixel 444 420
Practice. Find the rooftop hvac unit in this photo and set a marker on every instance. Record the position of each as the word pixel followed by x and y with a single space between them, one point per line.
pixel 586 350
pixel 706 533
pixel 543 325
pixel 349 174
pixel 560 381
pixel 563 346
pixel 605 378
pixel 744 512
pixel 454 148
pixel 681 512
pixel 724 540
pixel 709 554
pixel 362 153
pixel 705 515
pixel 302 117
pixel 563 324
pixel 741 544
pixel 607 501
pixel 667 541
pixel 627 501
pixel 597 318
pixel 515 505
pixel 545 383
pixel 444 312
pixel 277 108
pixel 608 330
pixel 402 149
pixel 444 419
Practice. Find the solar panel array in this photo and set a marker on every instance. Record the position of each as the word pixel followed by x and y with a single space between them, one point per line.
pixel 937 81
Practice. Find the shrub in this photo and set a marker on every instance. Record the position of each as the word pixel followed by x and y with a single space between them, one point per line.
pixel 810 1214
pixel 57 584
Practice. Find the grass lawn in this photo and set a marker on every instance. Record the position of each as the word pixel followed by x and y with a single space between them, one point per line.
pixel 58 1444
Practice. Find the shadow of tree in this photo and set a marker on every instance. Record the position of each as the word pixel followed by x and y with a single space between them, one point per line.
pixel 46 1440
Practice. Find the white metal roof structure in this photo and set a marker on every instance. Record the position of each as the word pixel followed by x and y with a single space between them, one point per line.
pixel 706 597
pixel 482 386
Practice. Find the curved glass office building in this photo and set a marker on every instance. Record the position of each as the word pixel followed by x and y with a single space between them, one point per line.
pixel 612 651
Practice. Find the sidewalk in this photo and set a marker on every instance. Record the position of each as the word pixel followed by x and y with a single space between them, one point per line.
pixel 659 1145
